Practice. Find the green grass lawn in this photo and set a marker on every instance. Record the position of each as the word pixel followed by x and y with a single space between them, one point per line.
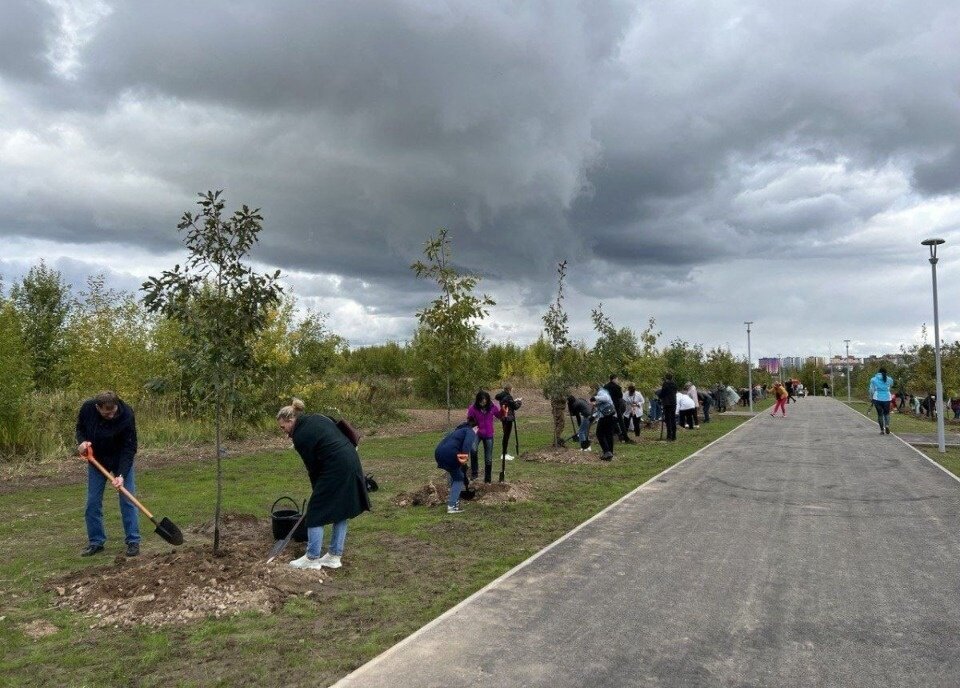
pixel 403 566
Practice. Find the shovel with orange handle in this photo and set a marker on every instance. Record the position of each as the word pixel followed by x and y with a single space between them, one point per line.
pixel 165 528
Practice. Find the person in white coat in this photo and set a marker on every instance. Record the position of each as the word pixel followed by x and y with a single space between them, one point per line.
pixel 685 409
pixel 634 402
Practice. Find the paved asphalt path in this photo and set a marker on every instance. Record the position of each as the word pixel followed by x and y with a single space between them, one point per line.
pixel 806 551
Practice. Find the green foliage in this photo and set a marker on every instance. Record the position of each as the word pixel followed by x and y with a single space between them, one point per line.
pixel 17 377
pixel 108 344
pixel 43 301
pixel 451 318
pixel 435 382
pixel 647 368
pixel 391 360
pixel 684 360
pixel 614 349
pixel 720 366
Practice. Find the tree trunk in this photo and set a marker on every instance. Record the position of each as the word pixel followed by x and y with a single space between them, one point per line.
pixel 216 513
pixel 448 397
pixel 558 408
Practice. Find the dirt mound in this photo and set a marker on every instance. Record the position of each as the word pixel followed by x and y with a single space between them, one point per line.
pixel 189 583
pixel 435 493
pixel 563 455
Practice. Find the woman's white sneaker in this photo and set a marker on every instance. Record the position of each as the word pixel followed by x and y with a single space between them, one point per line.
pixel 331 561
pixel 305 562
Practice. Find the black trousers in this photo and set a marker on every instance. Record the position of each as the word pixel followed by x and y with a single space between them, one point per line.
pixel 636 424
pixel 670 420
pixel 686 418
pixel 606 427
pixel 507 429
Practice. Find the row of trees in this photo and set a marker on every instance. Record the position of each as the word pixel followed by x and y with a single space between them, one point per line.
pixel 212 342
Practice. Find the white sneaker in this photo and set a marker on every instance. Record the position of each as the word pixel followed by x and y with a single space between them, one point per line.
pixel 454 509
pixel 508 457
pixel 331 561
pixel 305 562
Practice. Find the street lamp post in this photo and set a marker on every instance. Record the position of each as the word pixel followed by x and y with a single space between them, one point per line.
pixel 941 440
pixel 847 342
pixel 748 323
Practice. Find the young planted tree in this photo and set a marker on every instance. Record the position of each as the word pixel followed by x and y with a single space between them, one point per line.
pixel 221 303
pixel 451 319
pixel 562 375
pixel 44 304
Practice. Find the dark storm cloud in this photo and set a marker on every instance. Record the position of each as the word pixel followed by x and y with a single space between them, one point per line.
pixel 648 143
pixel 940 175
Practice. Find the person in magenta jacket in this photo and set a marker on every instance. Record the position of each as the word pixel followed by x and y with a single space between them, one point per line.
pixel 484 412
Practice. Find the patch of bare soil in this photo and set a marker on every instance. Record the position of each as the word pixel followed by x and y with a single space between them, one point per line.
pixel 562 455
pixel 435 493
pixel 189 583
pixel 38 629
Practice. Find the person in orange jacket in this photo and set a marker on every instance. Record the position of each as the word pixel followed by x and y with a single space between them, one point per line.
pixel 781 394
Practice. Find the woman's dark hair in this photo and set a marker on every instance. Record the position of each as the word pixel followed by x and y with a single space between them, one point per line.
pixel 482 399
pixel 883 374
pixel 668 376
pixel 472 422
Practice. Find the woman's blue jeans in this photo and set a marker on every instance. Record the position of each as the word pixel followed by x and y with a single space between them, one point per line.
pixel 883 413
pixel 456 485
pixel 487 455
pixel 94 511
pixel 337 539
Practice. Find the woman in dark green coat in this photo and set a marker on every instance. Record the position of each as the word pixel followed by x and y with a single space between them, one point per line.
pixel 339 489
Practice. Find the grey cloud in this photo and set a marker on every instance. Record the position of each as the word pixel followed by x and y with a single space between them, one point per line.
pixel 940 175
pixel 25 32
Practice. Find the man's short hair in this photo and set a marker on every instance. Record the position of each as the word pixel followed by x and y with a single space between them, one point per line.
pixel 107 399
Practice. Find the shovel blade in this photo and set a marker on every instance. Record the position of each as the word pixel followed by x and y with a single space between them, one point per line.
pixel 169 531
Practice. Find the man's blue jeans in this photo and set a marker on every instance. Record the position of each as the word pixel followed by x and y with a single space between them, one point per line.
pixel 337 539
pixel 584 432
pixel 94 512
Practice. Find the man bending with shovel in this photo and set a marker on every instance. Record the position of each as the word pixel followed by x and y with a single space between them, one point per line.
pixel 107 425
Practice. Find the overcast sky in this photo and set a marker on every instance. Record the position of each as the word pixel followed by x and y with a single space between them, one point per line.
pixel 702 163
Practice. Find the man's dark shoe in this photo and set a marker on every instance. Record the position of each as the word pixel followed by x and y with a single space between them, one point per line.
pixel 91 550
pixel 133 549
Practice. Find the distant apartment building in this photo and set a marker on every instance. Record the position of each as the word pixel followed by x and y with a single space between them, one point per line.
pixel 771 365
pixel 793 362
pixel 816 360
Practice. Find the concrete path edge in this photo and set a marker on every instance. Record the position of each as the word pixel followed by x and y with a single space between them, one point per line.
pixel 345 681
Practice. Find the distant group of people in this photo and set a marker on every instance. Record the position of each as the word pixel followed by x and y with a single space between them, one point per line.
pixel 616 413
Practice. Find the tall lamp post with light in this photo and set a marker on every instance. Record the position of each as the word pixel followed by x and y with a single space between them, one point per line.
pixel 941 439
pixel 847 342
pixel 748 323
